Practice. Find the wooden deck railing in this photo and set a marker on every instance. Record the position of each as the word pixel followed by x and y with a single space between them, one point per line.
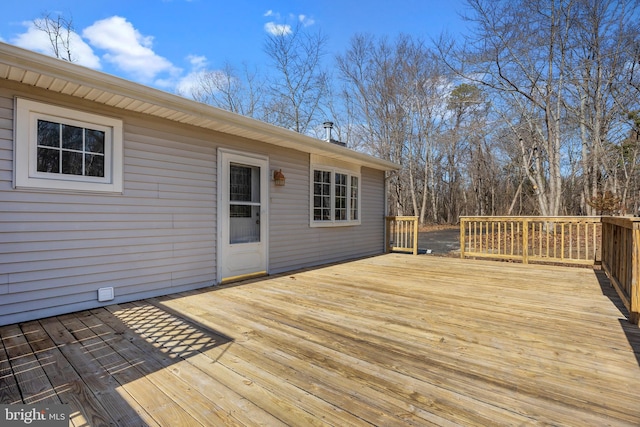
pixel 621 260
pixel 567 240
pixel 402 234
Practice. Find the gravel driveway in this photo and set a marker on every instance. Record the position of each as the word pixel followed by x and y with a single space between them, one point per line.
pixel 439 242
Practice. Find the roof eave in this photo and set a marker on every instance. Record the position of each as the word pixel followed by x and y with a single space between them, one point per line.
pixel 20 65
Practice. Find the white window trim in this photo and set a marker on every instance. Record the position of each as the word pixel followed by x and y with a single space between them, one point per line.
pixel 333 222
pixel 26 116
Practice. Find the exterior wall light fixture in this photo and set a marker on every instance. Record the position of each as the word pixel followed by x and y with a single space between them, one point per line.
pixel 278 177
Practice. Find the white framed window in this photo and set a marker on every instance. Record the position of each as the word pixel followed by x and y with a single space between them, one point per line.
pixel 335 199
pixel 63 149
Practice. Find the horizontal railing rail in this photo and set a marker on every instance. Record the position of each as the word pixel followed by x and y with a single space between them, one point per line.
pixel 555 239
pixel 621 260
pixel 402 234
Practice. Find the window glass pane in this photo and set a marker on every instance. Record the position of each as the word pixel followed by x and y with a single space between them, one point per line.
pixel 244 224
pixel 71 138
pixel 94 141
pixel 71 163
pixel 321 195
pixel 94 165
pixel 244 183
pixel 48 160
pixel 240 211
pixel 80 141
pixel 48 134
pixel 322 214
pixel 341 197
pixel 354 198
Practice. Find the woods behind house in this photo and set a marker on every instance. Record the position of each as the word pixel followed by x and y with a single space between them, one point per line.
pixel 531 108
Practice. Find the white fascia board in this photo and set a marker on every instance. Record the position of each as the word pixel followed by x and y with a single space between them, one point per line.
pixel 233 123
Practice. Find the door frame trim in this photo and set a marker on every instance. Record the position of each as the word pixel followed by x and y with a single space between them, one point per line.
pixel 264 205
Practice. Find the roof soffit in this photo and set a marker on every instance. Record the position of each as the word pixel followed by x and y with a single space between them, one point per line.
pixel 59 76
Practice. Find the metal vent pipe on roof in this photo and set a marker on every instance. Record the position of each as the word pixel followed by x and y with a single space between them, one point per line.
pixel 328 126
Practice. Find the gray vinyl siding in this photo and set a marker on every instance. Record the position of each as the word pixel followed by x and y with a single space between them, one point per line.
pixel 294 244
pixel 158 237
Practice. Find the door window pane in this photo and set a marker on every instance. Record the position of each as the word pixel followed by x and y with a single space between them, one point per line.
pixel 244 203
pixel 244 183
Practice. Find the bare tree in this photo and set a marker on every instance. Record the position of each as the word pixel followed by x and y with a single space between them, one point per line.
pixel 519 51
pixel 299 84
pixel 470 162
pixel 397 92
pixel 603 39
pixel 59 30
pixel 227 89
pixel 561 75
pixel 372 72
pixel 428 91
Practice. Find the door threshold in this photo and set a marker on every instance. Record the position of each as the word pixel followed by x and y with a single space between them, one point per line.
pixel 243 277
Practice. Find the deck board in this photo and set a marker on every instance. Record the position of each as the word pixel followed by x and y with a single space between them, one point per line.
pixel 69 386
pixel 9 390
pixel 391 340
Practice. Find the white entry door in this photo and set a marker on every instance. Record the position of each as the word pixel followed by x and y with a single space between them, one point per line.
pixel 243 214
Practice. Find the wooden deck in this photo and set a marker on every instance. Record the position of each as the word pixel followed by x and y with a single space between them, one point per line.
pixel 389 340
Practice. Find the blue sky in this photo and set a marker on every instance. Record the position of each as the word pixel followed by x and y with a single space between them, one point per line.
pixel 163 43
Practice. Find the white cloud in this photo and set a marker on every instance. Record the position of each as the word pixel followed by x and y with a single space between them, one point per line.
pixel 38 41
pixel 119 43
pixel 192 80
pixel 198 62
pixel 129 50
pixel 271 14
pixel 277 29
pixel 305 20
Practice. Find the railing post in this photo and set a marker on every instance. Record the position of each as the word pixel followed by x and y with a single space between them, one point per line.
pixel 388 234
pixel 634 293
pixel 463 232
pixel 415 236
pixel 525 241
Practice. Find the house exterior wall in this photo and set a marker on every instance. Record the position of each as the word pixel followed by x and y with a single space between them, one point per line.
pixel 159 236
pixel 294 244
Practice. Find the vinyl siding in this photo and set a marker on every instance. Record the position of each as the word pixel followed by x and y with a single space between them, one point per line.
pixel 294 244
pixel 158 237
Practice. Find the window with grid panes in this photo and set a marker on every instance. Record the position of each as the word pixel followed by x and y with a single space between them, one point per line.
pixel 65 149
pixel 335 198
